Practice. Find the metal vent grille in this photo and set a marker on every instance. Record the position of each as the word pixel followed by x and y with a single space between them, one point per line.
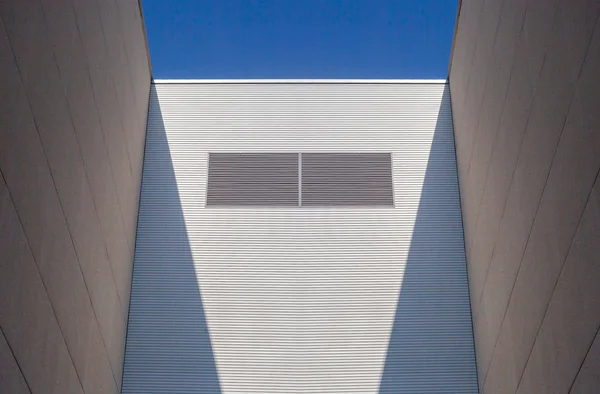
pixel 350 179
pixel 252 179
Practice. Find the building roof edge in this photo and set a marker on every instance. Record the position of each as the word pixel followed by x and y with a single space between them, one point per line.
pixel 299 81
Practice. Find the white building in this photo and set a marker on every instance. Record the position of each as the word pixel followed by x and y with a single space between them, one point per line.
pixel 300 237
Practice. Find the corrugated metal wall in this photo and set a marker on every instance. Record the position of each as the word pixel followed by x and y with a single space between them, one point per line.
pixel 352 299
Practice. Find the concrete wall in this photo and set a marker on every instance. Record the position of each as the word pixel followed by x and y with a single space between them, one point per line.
pixel 525 90
pixel 73 97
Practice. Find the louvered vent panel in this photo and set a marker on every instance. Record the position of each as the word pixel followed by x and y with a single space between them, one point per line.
pixel 317 299
pixel 347 179
pixel 252 179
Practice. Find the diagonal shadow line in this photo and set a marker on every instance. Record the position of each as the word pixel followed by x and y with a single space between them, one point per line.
pixel 431 347
pixel 168 346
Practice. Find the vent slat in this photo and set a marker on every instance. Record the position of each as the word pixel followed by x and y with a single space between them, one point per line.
pixel 347 179
pixel 252 179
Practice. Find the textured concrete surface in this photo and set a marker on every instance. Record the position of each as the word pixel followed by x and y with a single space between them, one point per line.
pixel 588 378
pixel 28 321
pixel 75 91
pixel 11 378
pixel 528 151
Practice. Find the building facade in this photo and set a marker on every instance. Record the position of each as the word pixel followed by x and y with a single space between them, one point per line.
pixel 299 236
pixel 74 91
pixel 525 90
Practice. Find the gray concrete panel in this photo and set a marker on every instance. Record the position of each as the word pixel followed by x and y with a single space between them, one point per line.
pixel 471 104
pixel 515 113
pixel 573 173
pixel 119 65
pixel 90 28
pixel 487 217
pixel 537 149
pixel 497 74
pixel 573 315
pixel 61 149
pixel 588 378
pixel 117 61
pixel 489 306
pixel 28 177
pixel 476 87
pixel 11 378
pixel 538 173
pixel 75 79
pixel 28 18
pixel 71 183
pixel 553 229
pixel 133 38
pixel 26 316
pixel 462 56
pixel 475 90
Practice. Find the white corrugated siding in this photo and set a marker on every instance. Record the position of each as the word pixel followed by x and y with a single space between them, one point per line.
pixel 299 300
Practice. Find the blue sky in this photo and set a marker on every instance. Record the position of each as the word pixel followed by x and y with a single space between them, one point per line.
pixel 300 38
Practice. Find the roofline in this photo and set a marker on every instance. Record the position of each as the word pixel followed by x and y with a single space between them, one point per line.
pixel 299 81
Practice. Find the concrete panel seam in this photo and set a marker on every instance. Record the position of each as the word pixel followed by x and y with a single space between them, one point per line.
pixel 578 221
pixel 597 330
pixel 60 202
pixel 504 210
pixel 487 77
pixel 495 134
pixel 587 51
pixel 85 169
pixel 41 279
pixel 537 208
pixel 13 353
pixel 492 156
pixel 554 290
pixel 526 243
pixel 511 183
pixel 114 88
pixel 103 133
pixel 583 361
pixel 473 57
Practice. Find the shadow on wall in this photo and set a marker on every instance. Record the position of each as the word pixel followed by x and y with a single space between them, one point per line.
pixel 431 344
pixel 168 344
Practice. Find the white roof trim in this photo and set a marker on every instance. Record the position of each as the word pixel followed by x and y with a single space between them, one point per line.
pixel 308 81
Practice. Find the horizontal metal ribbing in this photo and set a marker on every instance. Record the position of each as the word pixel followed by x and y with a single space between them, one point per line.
pixel 287 300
